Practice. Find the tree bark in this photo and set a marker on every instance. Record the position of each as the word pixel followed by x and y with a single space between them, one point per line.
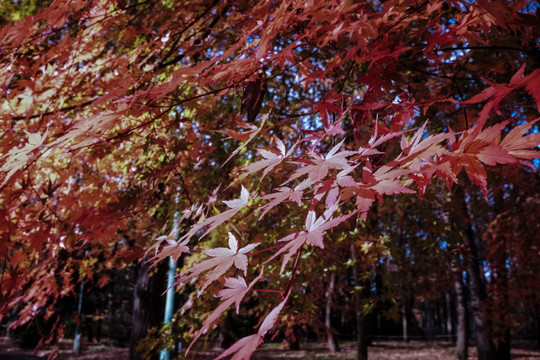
pixel 362 339
pixel 404 324
pixel 147 303
pixel 449 317
pixel 503 345
pixel 330 338
pixel 462 348
pixel 477 287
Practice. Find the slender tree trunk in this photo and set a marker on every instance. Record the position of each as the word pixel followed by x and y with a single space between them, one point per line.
pixel 502 347
pixel 404 324
pixel 225 337
pixel 332 343
pixel 462 348
pixel 477 294
pixel 147 303
pixel 449 317
pixel 362 338
pixel 536 314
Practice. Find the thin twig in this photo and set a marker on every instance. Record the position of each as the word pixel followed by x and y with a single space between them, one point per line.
pixel 289 283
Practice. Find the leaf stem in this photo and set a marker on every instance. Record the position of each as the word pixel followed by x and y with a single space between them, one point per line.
pixel 268 248
pixel 281 293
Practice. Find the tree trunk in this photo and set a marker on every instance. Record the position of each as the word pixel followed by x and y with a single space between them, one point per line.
pixel 225 337
pixel 404 324
pixel 477 288
pixel 362 338
pixel 502 327
pixel 332 343
pixel 462 348
pixel 147 303
pixel 477 294
pixel 449 317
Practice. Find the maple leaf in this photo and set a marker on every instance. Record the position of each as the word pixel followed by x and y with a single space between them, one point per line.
pixel 241 136
pixel 246 346
pixel 419 147
pixel 476 172
pixel 517 144
pixel 494 154
pixel 320 165
pixel 313 235
pixel 173 247
pixel 364 200
pixel 17 158
pixel 254 133
pixel 236 290
pixel 284 194
pixel 477 145
pixel 374 142
pixel 388 181
pixel 36 140
pixel 213 222
pixel 271 159
pixel 223 259
pixel 343 178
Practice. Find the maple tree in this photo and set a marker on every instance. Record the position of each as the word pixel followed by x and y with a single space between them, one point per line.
pixel 112 108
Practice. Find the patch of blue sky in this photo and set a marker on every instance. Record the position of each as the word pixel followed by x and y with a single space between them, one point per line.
pixel 530 8
pixel 535 130
pixel 443 244
pixel 486 269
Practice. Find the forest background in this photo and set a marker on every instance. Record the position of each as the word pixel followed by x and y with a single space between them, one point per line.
pixel 330 168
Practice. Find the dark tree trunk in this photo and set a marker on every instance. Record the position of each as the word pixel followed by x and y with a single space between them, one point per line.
pixel 477 294
pixel 449 316
pixel 502 347
pixel 404 323
pixel 225 337
pixel 147 303
pixel 331 340
pixel 477 288
pixel 462 348
pixel 362 337
pixel 536 315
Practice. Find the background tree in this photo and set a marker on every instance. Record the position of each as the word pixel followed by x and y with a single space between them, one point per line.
pixel 114 107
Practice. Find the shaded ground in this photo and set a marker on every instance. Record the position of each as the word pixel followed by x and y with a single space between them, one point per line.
pixel 381 350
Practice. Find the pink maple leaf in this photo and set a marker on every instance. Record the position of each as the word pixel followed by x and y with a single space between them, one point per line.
pixel 388 181
pixel 343 178
pixel 246 346
pixel 313 235
pixel 223 259
pixel 320 165
pixel 420 147
pixel 271 158
pixel 213 222
pixel 173 247
pixel 236 290
pixel 364 200
pixel 494 154
pixel 284 193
